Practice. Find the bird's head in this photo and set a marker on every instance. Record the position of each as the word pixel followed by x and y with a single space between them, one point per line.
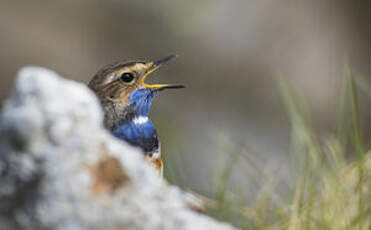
pixel 122 89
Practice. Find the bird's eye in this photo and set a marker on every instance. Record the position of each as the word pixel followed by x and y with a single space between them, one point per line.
pixel 127 77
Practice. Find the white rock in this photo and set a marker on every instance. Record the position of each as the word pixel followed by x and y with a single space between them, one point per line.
pixel 59 169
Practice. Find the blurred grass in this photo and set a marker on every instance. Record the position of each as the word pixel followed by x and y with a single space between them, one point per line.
pixel 330 184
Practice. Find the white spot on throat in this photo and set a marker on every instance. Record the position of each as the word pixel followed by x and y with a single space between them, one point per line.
pixel 140 120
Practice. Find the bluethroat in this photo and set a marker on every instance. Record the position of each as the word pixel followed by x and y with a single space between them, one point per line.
pixel 126 100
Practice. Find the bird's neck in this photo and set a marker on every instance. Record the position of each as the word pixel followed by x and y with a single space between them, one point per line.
pixel 139 105
pixel 134 125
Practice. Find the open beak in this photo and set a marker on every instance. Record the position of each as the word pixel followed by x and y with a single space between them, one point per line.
pixel 153 66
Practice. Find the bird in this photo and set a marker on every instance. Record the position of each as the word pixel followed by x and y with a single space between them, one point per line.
pixel 126 100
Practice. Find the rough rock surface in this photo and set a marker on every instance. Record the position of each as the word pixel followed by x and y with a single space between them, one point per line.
pixel 59 169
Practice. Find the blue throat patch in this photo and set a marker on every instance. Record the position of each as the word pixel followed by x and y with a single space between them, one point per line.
pixel 139 130
pixel 140 101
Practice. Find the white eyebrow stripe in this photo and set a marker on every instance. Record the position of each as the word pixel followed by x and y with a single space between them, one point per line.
pixel 140 120
pixel 109 79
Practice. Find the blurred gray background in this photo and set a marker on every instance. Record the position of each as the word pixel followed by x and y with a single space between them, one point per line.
pixel 230 54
